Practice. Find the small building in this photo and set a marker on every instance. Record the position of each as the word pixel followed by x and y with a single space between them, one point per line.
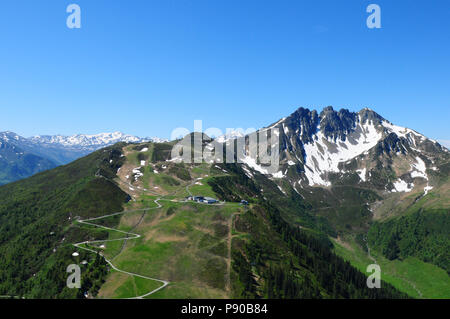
pixel 210 200
pixel 203 199
pixel 198 199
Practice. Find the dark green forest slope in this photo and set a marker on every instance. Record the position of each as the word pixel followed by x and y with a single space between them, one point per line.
pixel 274 259
pixel 35 224
pixel 423 234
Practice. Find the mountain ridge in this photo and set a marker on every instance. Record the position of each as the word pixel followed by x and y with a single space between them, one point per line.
pixel 16 163
pixel 87 140
pixel 48 151
pixel 321 143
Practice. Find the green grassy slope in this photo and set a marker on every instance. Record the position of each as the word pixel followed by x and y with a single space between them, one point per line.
pixel 410 275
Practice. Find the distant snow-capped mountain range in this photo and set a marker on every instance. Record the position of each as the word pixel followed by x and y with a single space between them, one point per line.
pixel 21 157
pixel 95 140
pixel 78 141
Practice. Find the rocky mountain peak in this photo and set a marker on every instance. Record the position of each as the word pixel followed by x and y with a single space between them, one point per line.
pixel 303 122
pixel 367 114
pixel 318 149
pixel 337 125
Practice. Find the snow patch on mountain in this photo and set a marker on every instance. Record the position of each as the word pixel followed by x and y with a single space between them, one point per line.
pixel 419 169
pixel 231 135
pixel 247 172
pixel 362 174
pixel 324 154
pixel 137 173
pixel 402 186
pixel 251 162
pixel 427 189
pixel 279 174
pixel 281 190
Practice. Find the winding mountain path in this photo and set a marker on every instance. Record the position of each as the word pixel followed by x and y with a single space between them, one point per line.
pixel 129 235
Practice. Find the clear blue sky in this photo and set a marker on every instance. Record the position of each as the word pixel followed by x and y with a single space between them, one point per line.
pixel 147 67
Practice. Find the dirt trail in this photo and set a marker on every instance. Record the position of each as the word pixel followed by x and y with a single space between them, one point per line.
pixel 129 235
pixel 126 240
pixel 230 238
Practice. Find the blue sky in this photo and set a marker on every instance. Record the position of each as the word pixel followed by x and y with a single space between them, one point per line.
pixel 147 67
